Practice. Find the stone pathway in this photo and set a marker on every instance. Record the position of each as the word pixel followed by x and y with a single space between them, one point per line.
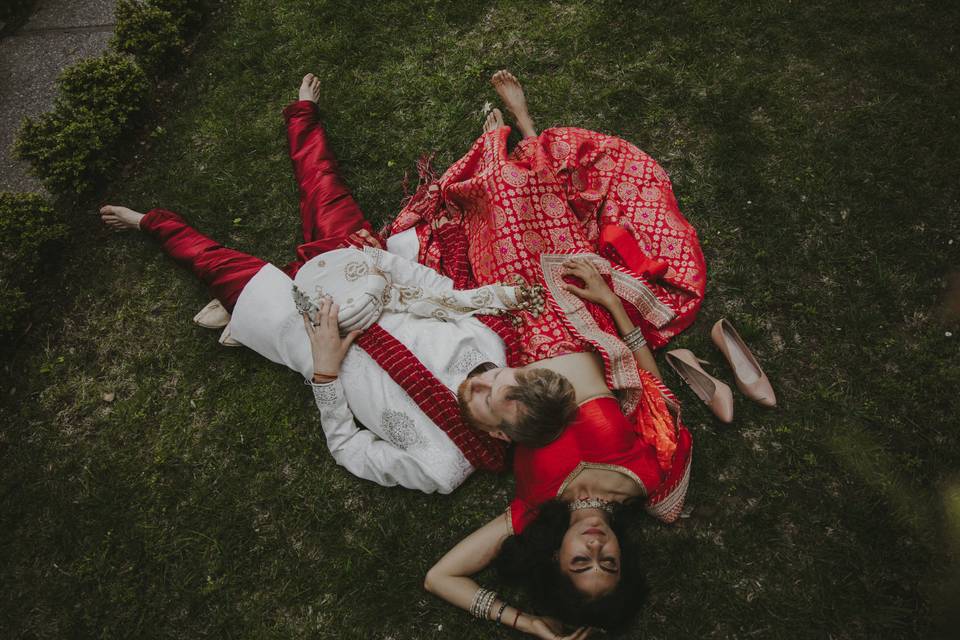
pixel 58 33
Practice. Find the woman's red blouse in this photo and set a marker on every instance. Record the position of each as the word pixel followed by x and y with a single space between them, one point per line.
pixel 600 437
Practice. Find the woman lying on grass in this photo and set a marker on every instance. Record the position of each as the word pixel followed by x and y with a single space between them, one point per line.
pixel 542 213
pixel 571 553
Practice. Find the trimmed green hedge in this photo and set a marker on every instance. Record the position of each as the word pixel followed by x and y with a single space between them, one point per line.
pixel 79 143
pixel 149 33
pixel 74 146
pixel 188 13
pixel 28 232
pixel 14 9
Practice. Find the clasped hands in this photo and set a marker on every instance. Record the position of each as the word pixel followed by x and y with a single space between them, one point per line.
pixel 328 347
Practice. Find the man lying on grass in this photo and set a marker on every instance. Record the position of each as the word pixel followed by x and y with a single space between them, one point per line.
pixel 428 376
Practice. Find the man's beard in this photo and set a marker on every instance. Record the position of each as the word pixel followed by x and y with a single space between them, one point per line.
pixel 462 402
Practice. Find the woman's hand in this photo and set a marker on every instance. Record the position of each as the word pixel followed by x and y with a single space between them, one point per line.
pixel 551 628
pixel 594 288
pixel 328 348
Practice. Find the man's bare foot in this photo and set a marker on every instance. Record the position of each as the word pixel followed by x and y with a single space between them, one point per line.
pixel 494 121
pixel 510 91
pixel 120 218
pixel 310 88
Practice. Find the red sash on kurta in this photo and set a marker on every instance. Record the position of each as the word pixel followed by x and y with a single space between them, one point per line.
pixel 431 395
pixel 433 398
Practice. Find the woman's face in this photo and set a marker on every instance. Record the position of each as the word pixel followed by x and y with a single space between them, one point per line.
pixel 590 556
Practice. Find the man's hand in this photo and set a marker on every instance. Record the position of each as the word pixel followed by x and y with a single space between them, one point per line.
pixel 365 308
pixel 594 288
pixel 361 314
pixel 328 348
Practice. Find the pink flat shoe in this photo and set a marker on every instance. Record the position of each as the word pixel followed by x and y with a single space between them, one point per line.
pixel 711 391
pixel 751 379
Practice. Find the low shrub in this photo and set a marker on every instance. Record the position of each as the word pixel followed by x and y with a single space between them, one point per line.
pixel 75 145
pixel 28 234
pixel 188 13
pixel 13 15
pixel 79 143
pixel 153 35
pixel 15 9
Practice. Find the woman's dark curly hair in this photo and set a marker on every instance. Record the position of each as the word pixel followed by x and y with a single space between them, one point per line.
pixel 528 560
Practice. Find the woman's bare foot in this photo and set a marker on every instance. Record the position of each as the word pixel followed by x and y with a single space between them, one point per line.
pixel 120 218
pixel 510 91
pixel 310 88
pixel 494 121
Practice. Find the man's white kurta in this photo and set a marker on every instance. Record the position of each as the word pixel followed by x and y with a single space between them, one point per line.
pixel 400 445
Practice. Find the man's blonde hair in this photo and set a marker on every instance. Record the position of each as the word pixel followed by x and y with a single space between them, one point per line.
pixel 547 405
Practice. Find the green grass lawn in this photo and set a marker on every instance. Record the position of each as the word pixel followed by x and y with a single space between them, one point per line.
pixel 812 144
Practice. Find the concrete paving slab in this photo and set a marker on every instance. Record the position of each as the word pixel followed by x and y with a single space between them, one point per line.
pixel 69 14
pixel 57 35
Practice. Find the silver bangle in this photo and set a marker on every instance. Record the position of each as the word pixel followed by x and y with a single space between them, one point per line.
pixel 634 340
pixel 480 600
pixel 486 606
pixel 482 603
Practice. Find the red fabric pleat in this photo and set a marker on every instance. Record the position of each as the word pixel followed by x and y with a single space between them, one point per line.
pixel 618 245
pixel 453 256
pixel 666 503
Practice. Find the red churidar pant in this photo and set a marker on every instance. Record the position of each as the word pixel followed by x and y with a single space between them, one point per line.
pixel 328 214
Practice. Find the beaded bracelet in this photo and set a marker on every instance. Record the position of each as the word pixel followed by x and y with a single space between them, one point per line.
pixel 503 606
